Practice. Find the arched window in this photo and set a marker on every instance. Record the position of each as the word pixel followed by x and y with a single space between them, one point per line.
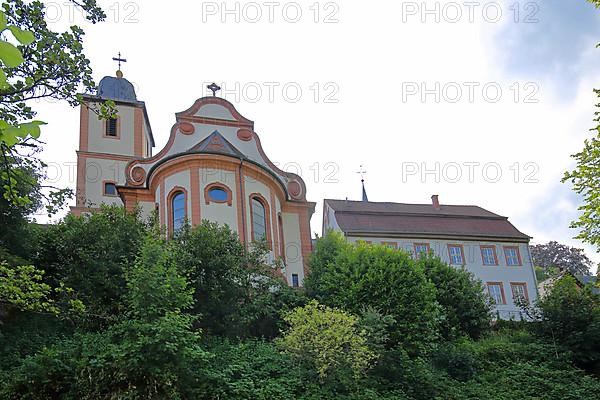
pixel 178 211
pixel 259 220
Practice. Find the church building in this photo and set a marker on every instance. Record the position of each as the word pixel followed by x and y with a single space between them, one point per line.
pixel 213 167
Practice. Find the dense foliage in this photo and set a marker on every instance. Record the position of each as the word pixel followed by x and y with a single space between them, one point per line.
pixel 202 316
pixel 354 276
pixel 570 315
pixel 326 340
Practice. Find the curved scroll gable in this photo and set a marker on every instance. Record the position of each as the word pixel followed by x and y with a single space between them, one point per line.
pixel 204 111
pixel 191 129
pixel 295 186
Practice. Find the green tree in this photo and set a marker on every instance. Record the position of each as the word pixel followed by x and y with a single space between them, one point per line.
pixel 90 254
pixel 465 307
pixel 15 232
pixel 325 251
pixel 152 352
pixel 386 279
pixel 584 179
pixel 553 256
pixel 570 315
pixel 234 291
pixel 22 287
pixel 328 339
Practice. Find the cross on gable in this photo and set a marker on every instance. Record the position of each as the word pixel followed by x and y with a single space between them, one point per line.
pixel 214 88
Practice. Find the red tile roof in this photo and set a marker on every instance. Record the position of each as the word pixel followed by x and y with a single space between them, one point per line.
pixel 422 219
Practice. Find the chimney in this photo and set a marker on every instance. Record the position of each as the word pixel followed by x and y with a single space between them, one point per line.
pixel 435 201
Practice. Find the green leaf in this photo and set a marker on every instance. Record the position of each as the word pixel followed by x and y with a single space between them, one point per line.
pixel 3 21
pixel 10 55
pixel 24 37
pixel 9 136
pixel 37 123
pixel 3 82
pixel 31 128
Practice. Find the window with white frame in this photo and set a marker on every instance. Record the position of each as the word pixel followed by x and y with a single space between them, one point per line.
pixel 456 254
pixel 512 256
pixel 496 292
pixel 519 291
pixel 421 249
pixel 488 255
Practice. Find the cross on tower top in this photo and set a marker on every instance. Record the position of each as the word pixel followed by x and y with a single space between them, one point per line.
pixel 362 173
pixel 119 60
pixel 214 88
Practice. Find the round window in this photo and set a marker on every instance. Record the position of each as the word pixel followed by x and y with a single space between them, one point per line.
pixel 218 194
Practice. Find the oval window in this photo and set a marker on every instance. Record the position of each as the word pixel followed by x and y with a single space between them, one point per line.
pixel 218 195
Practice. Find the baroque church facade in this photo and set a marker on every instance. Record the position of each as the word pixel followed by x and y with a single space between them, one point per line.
pixel 213 167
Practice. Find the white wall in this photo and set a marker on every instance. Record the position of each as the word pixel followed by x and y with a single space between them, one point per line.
pixel 293 247
pixel 97 171
pixel 123 145
pixel 474 264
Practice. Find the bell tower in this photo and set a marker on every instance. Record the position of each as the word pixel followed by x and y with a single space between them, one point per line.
pixel 106 146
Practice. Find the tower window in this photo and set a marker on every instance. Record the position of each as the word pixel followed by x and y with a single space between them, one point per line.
pixel 111 127
pixel 110 189
pixel 295 281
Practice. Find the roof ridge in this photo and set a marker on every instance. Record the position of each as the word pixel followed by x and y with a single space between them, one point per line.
pixel 435 215
pixel 407 204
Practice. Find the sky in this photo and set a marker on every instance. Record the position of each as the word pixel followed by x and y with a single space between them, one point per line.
pixel 481 103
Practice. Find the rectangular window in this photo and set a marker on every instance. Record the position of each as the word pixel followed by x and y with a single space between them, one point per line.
pixel 457 257
pixel 421 249
pixel 391 245
pixel 295 282
pixel 110 189
pixel 511 253
pixel 488 255
pixel 519 291
pixel 496 292
pixel 111 127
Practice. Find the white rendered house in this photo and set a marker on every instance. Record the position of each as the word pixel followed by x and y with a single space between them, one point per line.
pixel 469 237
